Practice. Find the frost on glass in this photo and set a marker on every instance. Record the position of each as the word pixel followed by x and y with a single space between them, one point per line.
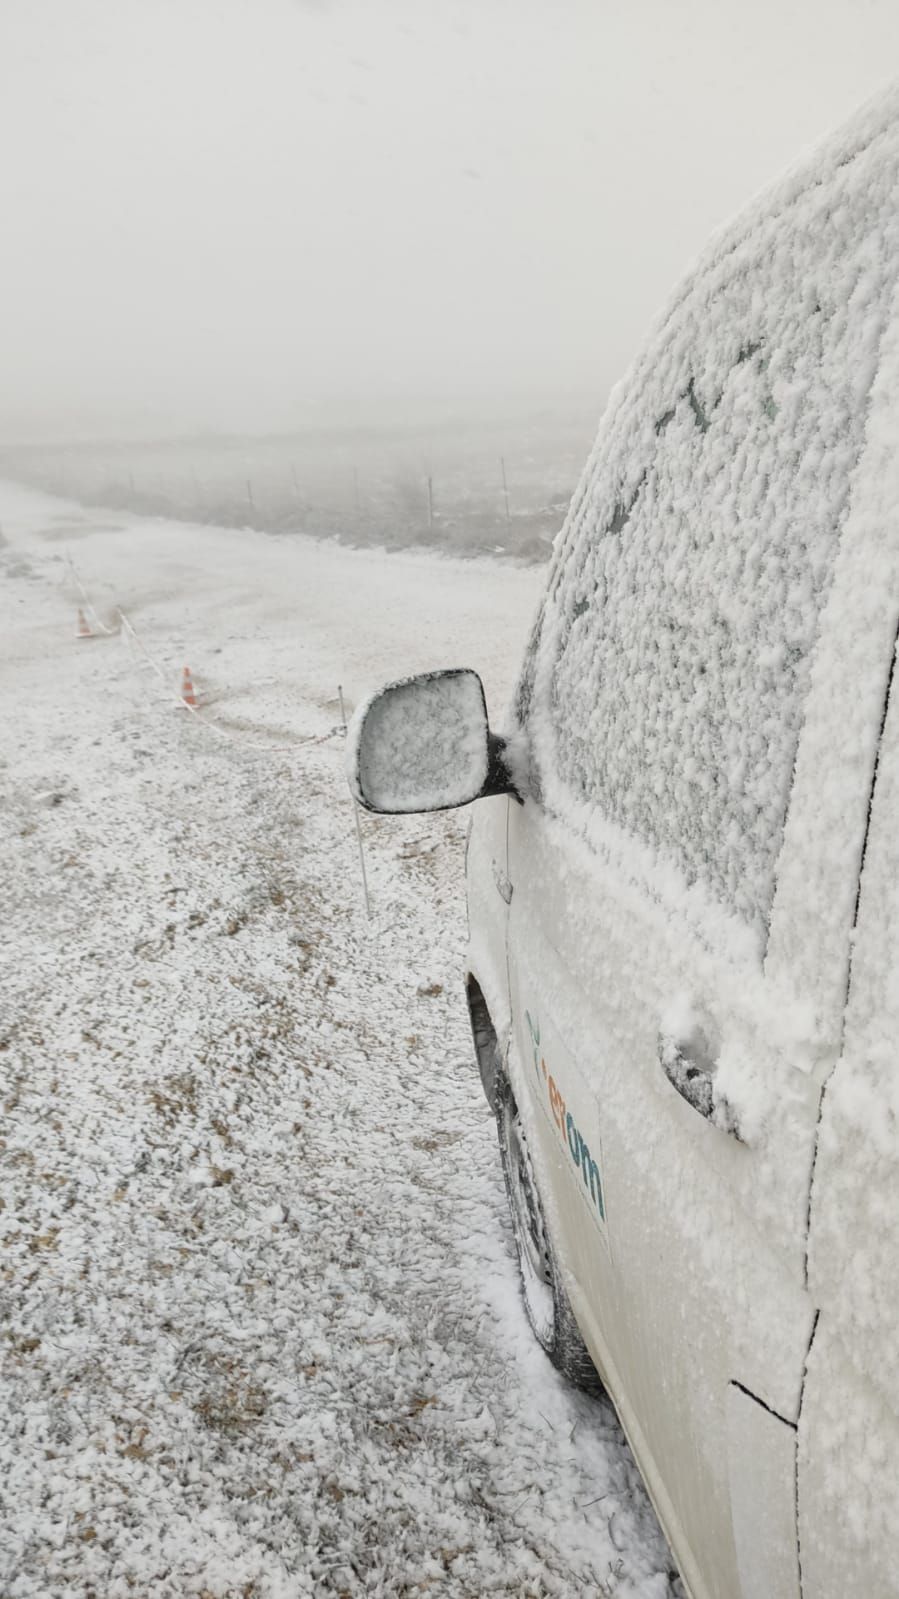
pixel 421 745
pixel 674 655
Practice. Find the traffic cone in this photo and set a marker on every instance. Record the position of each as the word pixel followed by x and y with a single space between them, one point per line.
pixel 83 626
pixel 188 697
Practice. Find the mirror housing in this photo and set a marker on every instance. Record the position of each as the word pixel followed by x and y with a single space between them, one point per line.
pixel 424 744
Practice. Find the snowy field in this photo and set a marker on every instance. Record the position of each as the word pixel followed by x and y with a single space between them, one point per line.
pixel 261 1333
pixel 473 488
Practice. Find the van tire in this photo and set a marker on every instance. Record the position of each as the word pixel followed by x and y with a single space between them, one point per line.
pixel 545 1300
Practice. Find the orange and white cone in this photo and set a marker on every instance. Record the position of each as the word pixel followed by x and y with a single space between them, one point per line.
pixel 188 696
pixel 83 626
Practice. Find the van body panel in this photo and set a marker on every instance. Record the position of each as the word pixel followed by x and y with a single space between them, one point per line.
pixel 844 712
pixel 849 1426
pixel 763 1501
pixel 848 1483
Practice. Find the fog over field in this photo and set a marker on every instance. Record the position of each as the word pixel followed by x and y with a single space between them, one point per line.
pixel 497 488
pixel 229 221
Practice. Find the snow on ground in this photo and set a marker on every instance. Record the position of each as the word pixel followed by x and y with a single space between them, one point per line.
pixel 261 1333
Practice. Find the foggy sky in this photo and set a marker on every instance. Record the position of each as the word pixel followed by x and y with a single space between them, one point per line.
pixel 249 214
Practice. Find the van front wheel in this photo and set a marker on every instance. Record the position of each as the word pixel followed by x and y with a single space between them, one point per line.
pixel 546 1302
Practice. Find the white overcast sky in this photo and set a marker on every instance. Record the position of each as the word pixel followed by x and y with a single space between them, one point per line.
pixel 248 213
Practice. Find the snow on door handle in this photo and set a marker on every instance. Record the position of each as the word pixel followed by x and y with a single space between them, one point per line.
pixel 688 1055
pixel 503 885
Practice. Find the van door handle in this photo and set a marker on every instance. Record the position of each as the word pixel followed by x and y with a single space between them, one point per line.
pixel 691 1078
pixel 689 1065
pixel 503 885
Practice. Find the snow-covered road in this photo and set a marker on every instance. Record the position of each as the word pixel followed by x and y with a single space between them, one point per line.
pixel 261 1333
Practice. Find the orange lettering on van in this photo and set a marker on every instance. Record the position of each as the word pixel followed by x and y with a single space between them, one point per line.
pixel 556 1104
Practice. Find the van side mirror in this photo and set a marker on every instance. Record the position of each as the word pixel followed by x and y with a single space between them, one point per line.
pixel 423 744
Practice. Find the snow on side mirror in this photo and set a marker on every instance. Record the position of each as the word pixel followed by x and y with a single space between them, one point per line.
pixel 423 744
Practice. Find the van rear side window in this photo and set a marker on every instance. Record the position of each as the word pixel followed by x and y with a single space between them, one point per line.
pixel 675 651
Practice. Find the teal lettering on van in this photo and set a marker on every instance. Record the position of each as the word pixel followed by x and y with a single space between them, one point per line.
pixel 534 1030
pixel 572 1137
pixel 578 1149
pixel 590 1174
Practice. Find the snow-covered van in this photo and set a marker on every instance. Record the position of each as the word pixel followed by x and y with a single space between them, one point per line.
pixel 683 882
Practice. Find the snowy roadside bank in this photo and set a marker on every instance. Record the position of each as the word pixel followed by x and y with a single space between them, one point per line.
pixel 261 1331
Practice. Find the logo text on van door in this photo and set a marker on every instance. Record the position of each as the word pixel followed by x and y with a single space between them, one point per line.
pixel 572 1137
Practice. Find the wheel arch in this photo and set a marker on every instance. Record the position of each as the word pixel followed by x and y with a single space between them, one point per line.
pixel 484 1037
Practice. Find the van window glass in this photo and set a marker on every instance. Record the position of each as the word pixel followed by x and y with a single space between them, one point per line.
pixel 524 690
pixel 682 622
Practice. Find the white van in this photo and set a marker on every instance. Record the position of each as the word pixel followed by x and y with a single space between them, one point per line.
pixel 683 880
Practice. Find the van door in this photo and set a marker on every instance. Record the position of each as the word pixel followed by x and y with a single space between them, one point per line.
pixel 685 872
pixel 684 1244
pixel 849 1424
